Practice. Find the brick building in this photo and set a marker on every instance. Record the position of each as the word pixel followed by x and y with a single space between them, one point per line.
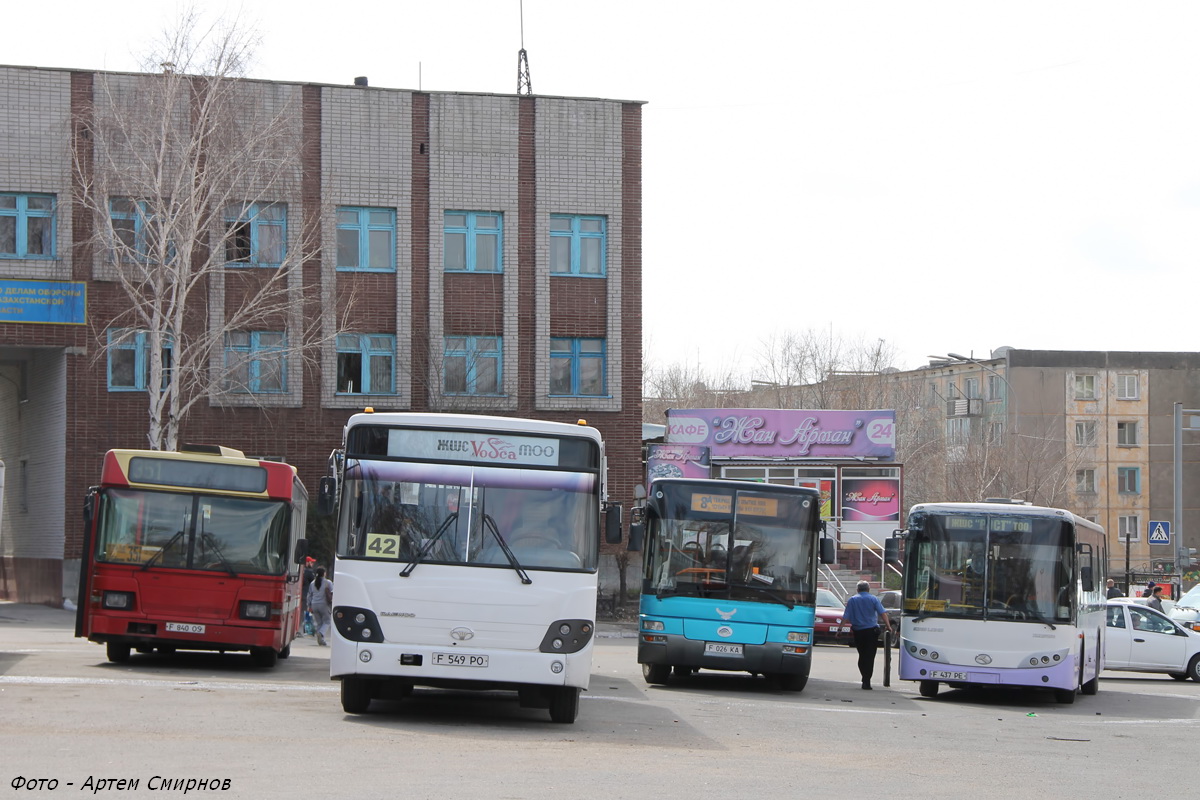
pixel 503 229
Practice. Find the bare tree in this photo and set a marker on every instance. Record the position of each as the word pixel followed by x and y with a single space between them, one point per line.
pixel 187 174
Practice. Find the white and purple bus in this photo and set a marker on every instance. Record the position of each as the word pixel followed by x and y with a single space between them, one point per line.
pixel 1002 593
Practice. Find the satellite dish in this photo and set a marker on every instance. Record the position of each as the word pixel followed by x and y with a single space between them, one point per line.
pixel 1001 352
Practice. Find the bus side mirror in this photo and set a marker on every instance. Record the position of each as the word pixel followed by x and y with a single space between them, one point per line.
pixel 891 550
pixel 637 534
pixel 301 551
pixel 828 550
pixel 326 496
pixel 612 524
pixel 89 504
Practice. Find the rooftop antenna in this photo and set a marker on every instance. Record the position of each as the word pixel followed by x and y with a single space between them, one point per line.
pixel 523 84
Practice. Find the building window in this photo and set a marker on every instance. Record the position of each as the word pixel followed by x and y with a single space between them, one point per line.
pixel 1085 481
pixel 1128 480
pixel 1129 528
pixel 366 239
pixel 472 364
pixel 1127 387
pixel 365 363
pixel 995 387
pixel 129 360
pixel 971 388
pixel 27 225
pixel 577 367
pixel 1085 387
pixel 952 391
pixel 578 245
pixel 255 362
pixel 473 242
pixel 1127 433
pixel 256 234
pixel 1085 433
pixel 958 431
pixel 996 433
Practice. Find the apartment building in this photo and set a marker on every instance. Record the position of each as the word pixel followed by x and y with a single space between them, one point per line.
pixel 468 252
pixel 1090 431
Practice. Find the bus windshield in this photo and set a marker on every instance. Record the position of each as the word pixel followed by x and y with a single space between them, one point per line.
pixel 990 567
pixel 744 545
pixel 469 515
pixel 193 531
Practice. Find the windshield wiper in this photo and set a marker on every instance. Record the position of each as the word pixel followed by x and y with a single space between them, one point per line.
pixel 767 591
pixel 170 542
pixel 490 524
pixel 211 541
pixel 428 546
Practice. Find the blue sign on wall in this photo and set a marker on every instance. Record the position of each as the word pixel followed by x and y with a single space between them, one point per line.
pixel 44 302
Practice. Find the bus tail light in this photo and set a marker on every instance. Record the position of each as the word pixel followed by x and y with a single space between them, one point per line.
pixel 254 609
pixel 794 650
pixel 120 601
pixel 798 636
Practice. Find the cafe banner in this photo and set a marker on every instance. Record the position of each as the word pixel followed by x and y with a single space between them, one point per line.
pixel 786 433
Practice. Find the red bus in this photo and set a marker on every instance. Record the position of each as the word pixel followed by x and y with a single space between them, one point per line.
pixel 199 549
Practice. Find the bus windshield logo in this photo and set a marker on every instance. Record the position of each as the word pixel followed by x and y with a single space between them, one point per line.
pixel 478 448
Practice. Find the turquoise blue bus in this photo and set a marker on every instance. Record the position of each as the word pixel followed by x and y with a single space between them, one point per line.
pixel 729 579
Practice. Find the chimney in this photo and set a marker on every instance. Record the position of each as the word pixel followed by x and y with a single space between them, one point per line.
pixel 361 80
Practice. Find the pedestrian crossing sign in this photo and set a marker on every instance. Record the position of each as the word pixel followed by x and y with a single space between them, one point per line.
pixel 1160 532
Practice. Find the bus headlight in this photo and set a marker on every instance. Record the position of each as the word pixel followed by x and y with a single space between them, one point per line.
pixel 577 637
pixel 121 601
pixel 254 609
pixel 357 624
pixel 653 625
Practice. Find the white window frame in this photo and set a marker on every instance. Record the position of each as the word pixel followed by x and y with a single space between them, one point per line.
pixel 1085 387
pixel 1128 387
pixel 1124 523
pixel 1085 433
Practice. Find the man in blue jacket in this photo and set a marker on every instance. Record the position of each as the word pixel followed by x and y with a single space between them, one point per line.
pixel 863 612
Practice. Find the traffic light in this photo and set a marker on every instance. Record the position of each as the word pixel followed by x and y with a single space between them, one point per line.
pixel 1189 560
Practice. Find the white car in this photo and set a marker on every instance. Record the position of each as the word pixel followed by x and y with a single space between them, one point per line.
pixel 1141 639
pixel 1187 611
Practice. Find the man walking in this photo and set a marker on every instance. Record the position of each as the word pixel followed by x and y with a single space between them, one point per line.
pixel 863 612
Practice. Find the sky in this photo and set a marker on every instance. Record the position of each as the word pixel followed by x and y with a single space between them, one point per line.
pixel 941 176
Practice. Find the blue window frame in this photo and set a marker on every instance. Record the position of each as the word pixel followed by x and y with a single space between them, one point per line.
pixel 365 363
pixel 578 245
pixel 256 234
pixel 129 360
pixel 256 362
pixel 1128 480
pixel 472 364
pixel 366 239
pixel 577 367
pixel 26 226
pixel 473 241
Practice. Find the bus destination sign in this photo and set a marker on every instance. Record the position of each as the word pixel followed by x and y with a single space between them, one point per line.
pixel 473 447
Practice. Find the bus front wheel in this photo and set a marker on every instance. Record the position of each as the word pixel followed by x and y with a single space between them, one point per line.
pixel 356 695
pixel 656 673
pixel 117 652
pixel 790 681
pixel 564 704
pixel 929 688
pixel 264 657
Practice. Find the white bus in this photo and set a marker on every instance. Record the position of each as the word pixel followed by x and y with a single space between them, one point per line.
pixel 1002 593
pixel 467 552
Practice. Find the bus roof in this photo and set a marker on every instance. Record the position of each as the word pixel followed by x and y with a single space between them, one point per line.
pixel 1013 509
pixel 473 422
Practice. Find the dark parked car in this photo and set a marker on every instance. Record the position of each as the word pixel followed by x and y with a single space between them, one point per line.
pixel 893 601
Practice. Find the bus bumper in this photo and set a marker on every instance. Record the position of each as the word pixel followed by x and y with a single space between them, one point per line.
pixel 471 668
pixel 768 658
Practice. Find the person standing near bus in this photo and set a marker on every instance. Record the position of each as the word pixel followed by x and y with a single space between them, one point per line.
pixel 320 603
pixel 310 573
pixel 1156 599
pixel 863 612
